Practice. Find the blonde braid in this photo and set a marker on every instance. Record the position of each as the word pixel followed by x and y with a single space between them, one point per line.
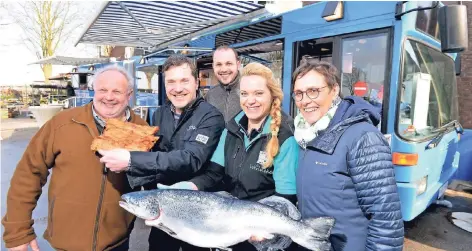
pixel 272 147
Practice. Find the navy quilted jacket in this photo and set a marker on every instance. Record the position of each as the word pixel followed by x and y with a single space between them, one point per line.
pixel 347 173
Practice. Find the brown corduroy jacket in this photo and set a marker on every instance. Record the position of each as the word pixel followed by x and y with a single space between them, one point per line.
pixel 83 212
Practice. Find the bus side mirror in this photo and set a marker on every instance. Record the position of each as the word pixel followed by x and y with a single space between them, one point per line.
pixel 457 64
pixel 453 28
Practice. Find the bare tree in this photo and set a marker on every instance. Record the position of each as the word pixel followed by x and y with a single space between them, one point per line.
pixel 106 50
pixel 149 76
pixel 46 26
pixel 349 79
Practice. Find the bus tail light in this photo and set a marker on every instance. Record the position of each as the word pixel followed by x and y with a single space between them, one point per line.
pixel 405 159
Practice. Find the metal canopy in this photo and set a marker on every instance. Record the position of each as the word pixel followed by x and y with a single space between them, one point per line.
pixel 188 51
pixel 155 23
pixel 61 60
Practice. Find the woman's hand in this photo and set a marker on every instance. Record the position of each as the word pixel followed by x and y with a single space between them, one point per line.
pixel 256 238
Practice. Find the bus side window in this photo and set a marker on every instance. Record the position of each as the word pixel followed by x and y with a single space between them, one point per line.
pixel 363 72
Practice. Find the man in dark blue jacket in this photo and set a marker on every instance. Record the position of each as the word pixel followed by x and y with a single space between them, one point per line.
pixel 189 131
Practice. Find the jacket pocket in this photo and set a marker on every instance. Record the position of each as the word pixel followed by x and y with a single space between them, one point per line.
pixel 115 225
pixel 69 218
pixel 51 214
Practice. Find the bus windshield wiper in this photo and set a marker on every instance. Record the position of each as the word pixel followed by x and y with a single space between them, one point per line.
pixel 445 127
pixel 442 131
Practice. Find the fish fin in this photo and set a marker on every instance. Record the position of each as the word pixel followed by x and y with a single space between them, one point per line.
pixel 166 229
pixel 159 225
pixel 321 225
pixel 225 194
pixel 282 205
pixel 279 242
pixel 318 238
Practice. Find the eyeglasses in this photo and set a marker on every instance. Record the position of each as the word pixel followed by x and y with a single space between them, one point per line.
pixel 311 93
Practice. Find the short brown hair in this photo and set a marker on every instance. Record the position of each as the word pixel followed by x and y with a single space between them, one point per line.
pixel 329 71
pixel 225 47
pixel 178 60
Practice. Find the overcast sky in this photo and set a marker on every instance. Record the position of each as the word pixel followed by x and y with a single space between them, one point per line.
pixel 15 56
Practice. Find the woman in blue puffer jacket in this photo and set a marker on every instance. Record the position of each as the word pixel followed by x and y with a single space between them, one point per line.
pixel 345 169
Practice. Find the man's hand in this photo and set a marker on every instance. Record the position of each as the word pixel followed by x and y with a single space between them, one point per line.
pixel 187 185
pixel 256 238
pixel 33 244
pixel 117 160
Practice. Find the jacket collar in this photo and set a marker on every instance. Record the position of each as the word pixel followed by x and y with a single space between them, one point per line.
pixel 233 85
pixel 102 121
pixel 236 125
pixel 189 107
pixel 351 110
pixel 328 139
pixel 85 117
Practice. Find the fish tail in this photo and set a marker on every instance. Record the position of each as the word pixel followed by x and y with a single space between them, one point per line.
pixel 316 236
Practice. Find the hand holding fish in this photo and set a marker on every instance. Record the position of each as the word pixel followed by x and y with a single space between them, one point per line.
pixel 257 238
pixel 117 160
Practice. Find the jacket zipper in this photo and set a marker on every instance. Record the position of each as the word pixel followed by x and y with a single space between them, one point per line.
pixel 100 200
pixel 236 153
pixel 300 195
pixel 99 209
pixel 228 93
pixel 51 214
pixel 182 119
pixel 244 157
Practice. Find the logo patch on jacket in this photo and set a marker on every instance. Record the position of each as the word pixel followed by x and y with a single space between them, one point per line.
pixel 202 138
pixel 262 158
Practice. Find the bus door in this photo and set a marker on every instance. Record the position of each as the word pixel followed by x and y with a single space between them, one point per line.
pixel 312 49
pixel 363 60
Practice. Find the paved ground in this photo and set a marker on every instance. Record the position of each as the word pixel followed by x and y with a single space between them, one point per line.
pixel 430 231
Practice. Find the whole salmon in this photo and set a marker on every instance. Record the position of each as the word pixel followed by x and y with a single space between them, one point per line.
pixel 218 220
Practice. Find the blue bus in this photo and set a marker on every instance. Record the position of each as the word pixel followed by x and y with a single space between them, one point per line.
pixel 393 54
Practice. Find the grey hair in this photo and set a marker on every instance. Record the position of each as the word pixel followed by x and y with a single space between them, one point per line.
pixel 123 71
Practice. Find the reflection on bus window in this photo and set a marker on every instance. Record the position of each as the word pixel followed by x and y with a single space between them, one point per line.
pixel 270 54
pixel 312 49
pixel 428 92
pixel 318 51
pixel 273 60
pixel 364 66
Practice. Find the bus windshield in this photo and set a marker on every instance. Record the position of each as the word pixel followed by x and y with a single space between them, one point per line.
pixel 428 92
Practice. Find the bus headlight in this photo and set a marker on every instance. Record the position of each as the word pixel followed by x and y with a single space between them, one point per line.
pixel 421 185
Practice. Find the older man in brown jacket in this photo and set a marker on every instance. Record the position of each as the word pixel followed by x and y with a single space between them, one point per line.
pixel 83 197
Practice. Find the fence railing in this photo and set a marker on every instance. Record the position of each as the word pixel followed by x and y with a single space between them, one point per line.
pixel 75 101
pixel 143 111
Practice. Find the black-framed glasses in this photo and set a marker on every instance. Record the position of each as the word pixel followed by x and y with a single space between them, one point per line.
pixel 311 93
